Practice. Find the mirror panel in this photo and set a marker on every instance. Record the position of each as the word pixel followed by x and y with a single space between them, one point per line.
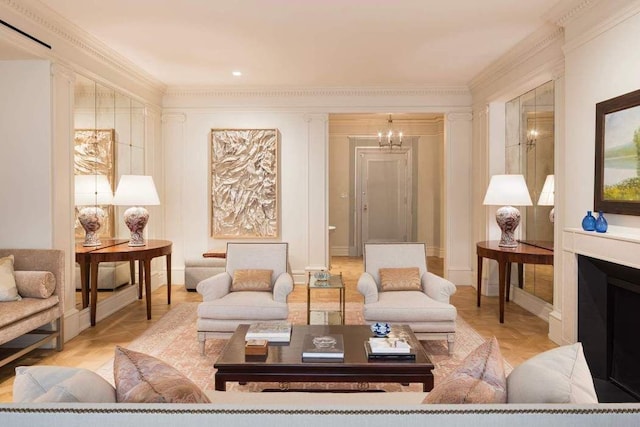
pixel 529 150
pixel 106 123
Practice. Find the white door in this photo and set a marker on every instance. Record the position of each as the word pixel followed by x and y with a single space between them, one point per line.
pixel 384 189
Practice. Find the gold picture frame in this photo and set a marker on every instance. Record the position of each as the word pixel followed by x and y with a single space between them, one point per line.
pixel 244 183
pixel 94 154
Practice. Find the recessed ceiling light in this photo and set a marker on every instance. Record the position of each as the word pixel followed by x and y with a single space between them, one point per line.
pixel 236 73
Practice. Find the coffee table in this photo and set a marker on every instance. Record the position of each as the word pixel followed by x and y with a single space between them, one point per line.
pixel 284 363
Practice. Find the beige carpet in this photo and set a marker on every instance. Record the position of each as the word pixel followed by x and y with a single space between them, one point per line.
pixel 173 340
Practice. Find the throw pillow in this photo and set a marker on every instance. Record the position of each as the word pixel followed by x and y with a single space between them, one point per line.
pixel 60 384
pixel 8 288
pixel 251 280
pixel 400 279
pixel 141 378
pixel 479 379
pixel 560 375
pixel 35 284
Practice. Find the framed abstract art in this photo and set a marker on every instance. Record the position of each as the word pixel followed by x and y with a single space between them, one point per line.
pixel 244 183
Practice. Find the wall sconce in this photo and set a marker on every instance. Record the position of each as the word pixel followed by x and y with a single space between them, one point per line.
pixel 91 191
pixel 507 190
pixel 547 195
pixel 136 190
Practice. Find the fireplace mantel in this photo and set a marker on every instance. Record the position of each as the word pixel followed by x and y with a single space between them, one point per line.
pixel 620 245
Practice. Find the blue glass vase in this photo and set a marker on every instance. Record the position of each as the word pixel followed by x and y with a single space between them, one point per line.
pixel 589 222
pixel 601 223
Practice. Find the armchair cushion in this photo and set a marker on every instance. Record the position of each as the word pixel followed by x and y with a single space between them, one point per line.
pixel 251 280
pixel 8 288
pixel 400 279
pixel 408 307
pixel 244 305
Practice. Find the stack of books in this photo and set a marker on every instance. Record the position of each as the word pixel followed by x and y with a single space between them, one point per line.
pixel 389 349
pixel 270 331
pixel 323 348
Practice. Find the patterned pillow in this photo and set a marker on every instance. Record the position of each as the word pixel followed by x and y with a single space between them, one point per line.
pixel 141 378
pixel 400 279
pixel 251 280
pixel 8 288
pixel 479 379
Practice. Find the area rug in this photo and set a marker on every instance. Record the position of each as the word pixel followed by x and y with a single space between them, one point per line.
pixel 173 340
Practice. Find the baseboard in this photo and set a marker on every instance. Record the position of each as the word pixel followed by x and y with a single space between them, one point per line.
pixel 531 303
pixel 340 251
pixel 555 328
pixel 459 277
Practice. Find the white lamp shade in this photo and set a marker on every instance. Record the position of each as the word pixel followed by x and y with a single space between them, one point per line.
pixel 92 190
pixel 546 195
pixel 507 190
pixel 136 190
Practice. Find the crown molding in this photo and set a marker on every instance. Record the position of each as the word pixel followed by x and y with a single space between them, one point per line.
pixel 301 92
pixel 566 11
pixel 522 52
pixel 49 22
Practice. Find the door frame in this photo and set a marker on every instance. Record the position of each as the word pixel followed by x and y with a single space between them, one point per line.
pixel 357 220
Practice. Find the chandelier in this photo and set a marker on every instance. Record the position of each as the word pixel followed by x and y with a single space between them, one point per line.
pixel 391 138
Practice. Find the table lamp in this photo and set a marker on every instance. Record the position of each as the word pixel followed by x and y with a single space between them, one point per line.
pixel 505 191
pixel 547 195
pixel 136 191
pixel 91 191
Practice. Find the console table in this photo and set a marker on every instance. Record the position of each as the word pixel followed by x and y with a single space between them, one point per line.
pixel 521 254
pixel 89 259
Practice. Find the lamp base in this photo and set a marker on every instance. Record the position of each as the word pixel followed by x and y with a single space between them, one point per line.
pixel 91 219
pixel 508 219
pixel 136 219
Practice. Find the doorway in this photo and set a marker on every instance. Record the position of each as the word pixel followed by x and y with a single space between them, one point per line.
pixel 383 195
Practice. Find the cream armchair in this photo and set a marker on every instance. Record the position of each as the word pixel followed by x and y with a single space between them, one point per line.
pixel 222 308
pixel 426 310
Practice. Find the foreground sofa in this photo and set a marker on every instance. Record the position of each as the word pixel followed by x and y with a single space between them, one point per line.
pixel 315 413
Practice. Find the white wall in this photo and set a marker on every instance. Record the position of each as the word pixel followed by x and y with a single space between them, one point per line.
pixel 187 174
pixel 301 116
pixel 26 217
pixel 602 62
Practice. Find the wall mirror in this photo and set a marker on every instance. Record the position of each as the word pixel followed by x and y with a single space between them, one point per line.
pixel 109 141
pixel 530 152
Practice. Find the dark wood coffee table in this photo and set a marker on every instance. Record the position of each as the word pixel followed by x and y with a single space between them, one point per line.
pixel 284 363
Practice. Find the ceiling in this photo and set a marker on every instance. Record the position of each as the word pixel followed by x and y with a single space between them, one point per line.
pixel 308 43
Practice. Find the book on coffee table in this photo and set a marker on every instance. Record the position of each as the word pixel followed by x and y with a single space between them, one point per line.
pixel 379 356
pixel 389 345
pixel 270 331
pixel 323 348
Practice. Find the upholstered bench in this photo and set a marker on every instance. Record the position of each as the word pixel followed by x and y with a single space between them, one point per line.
pixel 196 270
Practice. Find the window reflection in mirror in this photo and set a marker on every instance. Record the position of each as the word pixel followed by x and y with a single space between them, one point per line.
pixel 109 140
pixel 529 150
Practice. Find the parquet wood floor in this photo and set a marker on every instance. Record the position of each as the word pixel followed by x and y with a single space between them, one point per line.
pixel 521 336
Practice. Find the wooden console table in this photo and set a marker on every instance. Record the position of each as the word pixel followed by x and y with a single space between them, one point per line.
pixel 521 254
pixel 113 251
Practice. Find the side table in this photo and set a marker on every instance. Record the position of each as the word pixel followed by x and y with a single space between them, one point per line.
pixel 331 316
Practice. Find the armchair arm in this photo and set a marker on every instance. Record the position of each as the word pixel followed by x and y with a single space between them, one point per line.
pixel 437 288
pixel 283 287
pixel 215 287
pixel 368 288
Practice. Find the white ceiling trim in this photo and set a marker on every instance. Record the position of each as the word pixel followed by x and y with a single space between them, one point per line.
pixel 316 92
pixel 522 52
pixel 48 22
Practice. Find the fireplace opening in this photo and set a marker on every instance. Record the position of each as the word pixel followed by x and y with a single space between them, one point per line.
pixel 608 327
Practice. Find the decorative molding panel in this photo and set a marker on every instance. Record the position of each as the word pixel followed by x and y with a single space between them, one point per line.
pixel 52 23
pixel 313 92
pixel 523 51
pixel 565 12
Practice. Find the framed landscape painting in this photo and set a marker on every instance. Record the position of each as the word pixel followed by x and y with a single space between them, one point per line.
pixel 617 169
pixel 244 183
